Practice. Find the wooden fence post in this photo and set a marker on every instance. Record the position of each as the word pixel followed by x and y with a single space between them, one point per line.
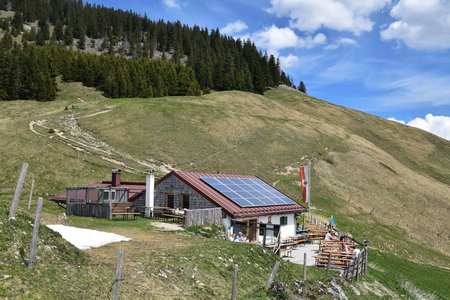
pixel 304 266
pixel 329 263
pixel 272 275
pixel 18 192
pixel 110 205
pixel 358 269
pixel 234 285
pixel 31 193
pixel 34 240
pixel 366 259
pixel 118 278
pixel 346 270
pixel 264 237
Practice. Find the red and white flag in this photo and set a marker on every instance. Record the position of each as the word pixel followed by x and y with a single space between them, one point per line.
pixel 305 183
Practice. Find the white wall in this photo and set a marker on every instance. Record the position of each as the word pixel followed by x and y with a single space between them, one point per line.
pixel 288 230
pixel 226 222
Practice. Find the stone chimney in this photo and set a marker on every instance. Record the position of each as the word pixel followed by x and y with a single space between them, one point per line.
pixel 115 177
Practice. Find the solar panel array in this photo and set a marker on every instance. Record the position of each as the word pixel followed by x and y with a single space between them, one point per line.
pixel 248 192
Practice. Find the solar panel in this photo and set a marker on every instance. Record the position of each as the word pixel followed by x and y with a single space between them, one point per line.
pixel 248 192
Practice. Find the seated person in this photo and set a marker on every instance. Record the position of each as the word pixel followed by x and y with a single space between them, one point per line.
pixel 329 236
pixel 356 253
pixel 241 237
pixel 344 248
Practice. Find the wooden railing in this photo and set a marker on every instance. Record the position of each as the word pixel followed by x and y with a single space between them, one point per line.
pixel 358 266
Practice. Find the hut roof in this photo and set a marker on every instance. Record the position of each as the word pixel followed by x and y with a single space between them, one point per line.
pixel 194 180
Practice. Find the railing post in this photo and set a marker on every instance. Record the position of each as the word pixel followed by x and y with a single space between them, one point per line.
pixel 264 237
pixel 358 270
pixel 272 275
pixel 34 240
pixel 329 263
pixel 234 285
pixel 110 204
pixel 31 193
pixel 366 259
pixel 304 266
pixel 18 192
pixel 118 277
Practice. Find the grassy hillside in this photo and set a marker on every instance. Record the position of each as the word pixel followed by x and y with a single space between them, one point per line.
pixel 381 180
pixel 361 163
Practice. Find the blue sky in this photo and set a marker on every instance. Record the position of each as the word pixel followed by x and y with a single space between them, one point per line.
pixel 390 58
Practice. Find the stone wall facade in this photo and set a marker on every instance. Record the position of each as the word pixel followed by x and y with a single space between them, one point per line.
pixel 175 186
pixel 139 203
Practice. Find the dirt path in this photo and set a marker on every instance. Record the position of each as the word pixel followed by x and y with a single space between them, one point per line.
pixel 97 113
pixel 72 135
pixel 40 123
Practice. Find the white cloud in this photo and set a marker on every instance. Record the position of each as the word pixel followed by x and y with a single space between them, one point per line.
pixel 274 39
pixel 289 61
pixel 438 125
pixel 342 15
pixel 341 42
pixel 172 3
pixel 344 71
pixel 347 41
pixel 312 41
pixel 395 120
pixel 420 24
pixel 398 87
pixel 234 27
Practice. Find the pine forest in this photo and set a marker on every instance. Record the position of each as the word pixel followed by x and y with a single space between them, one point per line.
pixel 122 54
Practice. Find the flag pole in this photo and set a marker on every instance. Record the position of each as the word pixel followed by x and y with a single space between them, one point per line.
pixel 308 186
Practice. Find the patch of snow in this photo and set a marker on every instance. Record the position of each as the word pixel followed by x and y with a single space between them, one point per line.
pixel 86 238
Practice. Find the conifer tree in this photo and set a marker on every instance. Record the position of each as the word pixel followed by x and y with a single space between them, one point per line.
pixel 302 87
pixel 68 36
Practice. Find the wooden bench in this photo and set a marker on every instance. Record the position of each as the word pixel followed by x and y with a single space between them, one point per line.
pixel 123 209
pixel 286 252
pixel 178 218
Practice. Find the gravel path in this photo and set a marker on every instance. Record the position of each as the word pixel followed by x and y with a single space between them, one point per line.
pixel 297 254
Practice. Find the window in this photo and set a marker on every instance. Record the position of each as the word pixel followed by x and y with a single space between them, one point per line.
pixel 283 220
pixel 262 228
pixel 184 201
pixel 170 200
pixel 276 230
pixel 108 194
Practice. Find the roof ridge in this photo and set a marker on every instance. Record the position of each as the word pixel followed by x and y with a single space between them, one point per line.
pixel 200 174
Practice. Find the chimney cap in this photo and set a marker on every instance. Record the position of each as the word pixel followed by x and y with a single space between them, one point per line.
pixel 116 170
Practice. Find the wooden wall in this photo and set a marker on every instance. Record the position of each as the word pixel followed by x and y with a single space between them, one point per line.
pixel 208 216
pixel 100 210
